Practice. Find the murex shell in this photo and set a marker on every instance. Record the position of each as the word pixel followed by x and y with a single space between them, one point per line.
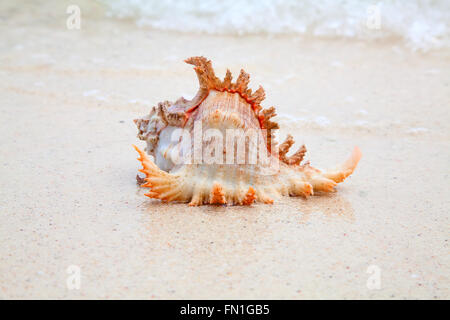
pixel 219 148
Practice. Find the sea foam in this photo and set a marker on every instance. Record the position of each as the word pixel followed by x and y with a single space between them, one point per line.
pixel 421 24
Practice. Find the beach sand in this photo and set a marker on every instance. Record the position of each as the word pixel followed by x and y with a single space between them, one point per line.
pixel 68 195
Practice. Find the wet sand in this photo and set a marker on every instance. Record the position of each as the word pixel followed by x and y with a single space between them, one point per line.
pixel 68 194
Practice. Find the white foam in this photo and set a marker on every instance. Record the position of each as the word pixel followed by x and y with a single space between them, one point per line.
pixel 139 101
pixel 322 121
pixel 90 93
pixel 336 64
pixel 417 130
pixel 362 112
pixel 312 122
pixel 95 94
pixel 422 24
pixel 361 123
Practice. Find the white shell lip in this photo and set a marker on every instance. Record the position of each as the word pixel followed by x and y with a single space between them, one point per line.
pixel 163 154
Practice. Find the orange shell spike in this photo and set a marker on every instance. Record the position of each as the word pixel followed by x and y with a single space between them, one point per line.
pixel 217 195
pixel 162 185
pixel 249 197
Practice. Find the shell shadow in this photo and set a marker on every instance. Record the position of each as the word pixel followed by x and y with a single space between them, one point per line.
pixel 226 241
pixel 332 206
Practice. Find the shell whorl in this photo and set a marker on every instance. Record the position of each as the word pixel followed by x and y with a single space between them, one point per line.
pixel 221 105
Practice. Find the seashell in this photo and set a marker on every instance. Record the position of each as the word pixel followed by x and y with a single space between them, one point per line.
pixel 220 148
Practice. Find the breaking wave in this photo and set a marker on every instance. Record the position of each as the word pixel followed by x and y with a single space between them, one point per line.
pixel 421 24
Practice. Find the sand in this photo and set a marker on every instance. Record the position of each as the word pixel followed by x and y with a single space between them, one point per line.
pixel 68 195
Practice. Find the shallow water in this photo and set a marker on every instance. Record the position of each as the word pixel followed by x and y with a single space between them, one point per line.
pixel 420 24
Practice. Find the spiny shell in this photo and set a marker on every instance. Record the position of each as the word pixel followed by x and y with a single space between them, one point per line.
pixel 200 167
